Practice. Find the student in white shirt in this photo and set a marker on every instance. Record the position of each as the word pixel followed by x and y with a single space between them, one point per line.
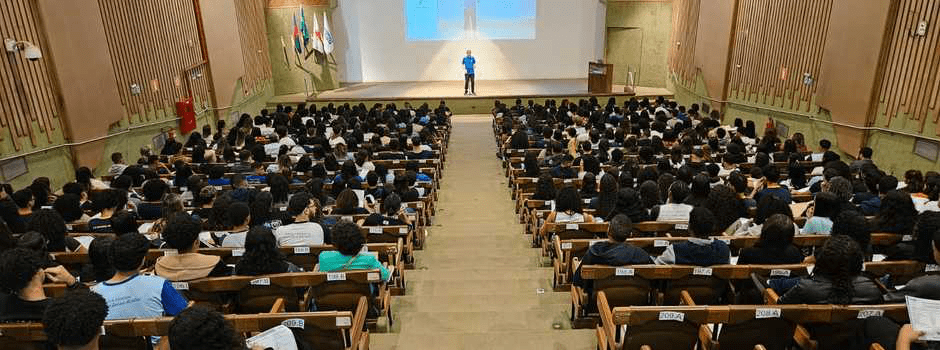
pixel 283 138
pixel 302 232
pixel 674 210
pixel 239 217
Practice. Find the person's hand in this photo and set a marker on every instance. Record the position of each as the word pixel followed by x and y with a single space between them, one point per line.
pixel 59 274
pixel 906 336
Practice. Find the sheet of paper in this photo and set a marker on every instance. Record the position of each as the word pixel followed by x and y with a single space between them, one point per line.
pixel 799 208
pixel 924 317
pixel 144 228
pixel 85 240
pixel 277 338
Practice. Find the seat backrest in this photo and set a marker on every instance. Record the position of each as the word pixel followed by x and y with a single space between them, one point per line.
pixel 342 331
pixel 384 234
pixel 579 230
pixel 841 330
pixel 707 285
pixel 26 335
pixel 662 327
pixel 771 326
pixel 258 299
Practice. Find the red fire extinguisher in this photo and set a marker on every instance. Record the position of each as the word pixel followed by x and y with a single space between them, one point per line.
pixel 187 115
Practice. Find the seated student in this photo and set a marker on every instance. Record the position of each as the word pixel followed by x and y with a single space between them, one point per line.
pixel 615 251
pixel 824 146
pixel 872 206
pixel 347 172
pixel 74 320
pixel 117 164
pixel 24 210
pixel 374 188
pixel 347 203
pixel 130 294
pixel 151 207
pixel 49 223
pixel 69 206
pixel 348 256
pixel 217 176
pixel 769 186
pixel 724 203
pixel 241 189
pixel 837 278
pixel 239 218
pixel 392 213
pixel 545 188
pixel 564 170
pixel 768 206
pixel 739 183
pixel 825 208
pixel 303 231
pixel 628 203
pixel 200 328
pixel 182 233
pixel 204 201
pixel 99 269
pixel 84 200
pixel 698 191
pixel 673 210
pixel 171 204
pixel 262 256
pixel 22 273
pixel 109 202
pixel 418 150
pixel 897 214
pixel 419 176
pixel 775 245
pixel 567 209
pixel 124 222
pixel 700 249
pixel 927 286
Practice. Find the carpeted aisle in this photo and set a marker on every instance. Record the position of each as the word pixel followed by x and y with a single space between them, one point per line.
pixel 477 283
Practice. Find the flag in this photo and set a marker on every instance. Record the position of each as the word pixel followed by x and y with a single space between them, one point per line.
pixel 303 27
pixel 296 37
pixel 317 35
pixel 327 37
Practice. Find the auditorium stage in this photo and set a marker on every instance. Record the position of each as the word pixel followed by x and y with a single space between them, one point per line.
pixel 452 91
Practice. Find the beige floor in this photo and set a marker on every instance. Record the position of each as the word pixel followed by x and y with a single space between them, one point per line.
pixel 477 283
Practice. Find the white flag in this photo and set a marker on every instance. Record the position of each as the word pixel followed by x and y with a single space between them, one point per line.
pixel 317 35
pixel 327 36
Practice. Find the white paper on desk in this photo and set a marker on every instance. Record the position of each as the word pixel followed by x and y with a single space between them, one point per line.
pixel 924 317
pixel 85 240
pixel 277 338
pixel 144 227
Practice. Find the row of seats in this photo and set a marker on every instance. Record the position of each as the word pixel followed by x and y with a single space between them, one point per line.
pixel 689 307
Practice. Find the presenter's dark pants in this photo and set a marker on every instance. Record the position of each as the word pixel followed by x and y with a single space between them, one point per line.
pixel 468 83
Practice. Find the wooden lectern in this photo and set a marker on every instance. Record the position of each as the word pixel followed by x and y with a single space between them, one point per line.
pixel 600 77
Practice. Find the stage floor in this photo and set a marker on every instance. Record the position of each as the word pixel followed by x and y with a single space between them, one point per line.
pixel 485 89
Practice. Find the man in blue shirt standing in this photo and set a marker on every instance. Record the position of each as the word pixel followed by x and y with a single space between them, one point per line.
pixel 468 82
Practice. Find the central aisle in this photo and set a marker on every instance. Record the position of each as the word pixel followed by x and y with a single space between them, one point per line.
pixel 478 284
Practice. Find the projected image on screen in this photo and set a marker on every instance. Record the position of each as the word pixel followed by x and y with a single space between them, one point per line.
pixel 470 19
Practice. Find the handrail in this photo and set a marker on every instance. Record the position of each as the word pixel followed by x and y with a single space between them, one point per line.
pixel 809 116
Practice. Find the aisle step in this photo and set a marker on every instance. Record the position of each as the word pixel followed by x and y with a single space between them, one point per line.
pixel 481 303
pixel 582 339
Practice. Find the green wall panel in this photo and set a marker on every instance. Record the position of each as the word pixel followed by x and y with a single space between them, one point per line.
pixel 654 21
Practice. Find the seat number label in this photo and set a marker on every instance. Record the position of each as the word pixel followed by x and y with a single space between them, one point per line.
pixel 671 316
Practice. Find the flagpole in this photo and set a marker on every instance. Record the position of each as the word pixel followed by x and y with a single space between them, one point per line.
pixel 286 58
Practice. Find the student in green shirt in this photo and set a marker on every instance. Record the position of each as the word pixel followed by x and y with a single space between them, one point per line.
pixel 349 242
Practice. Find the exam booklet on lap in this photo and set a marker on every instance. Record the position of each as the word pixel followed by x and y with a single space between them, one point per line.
pixel 924 317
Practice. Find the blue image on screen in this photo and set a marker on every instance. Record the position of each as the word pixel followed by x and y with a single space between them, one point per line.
pixel 470 19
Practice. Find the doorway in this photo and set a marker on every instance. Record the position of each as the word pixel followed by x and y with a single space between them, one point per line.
pixel 625 52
